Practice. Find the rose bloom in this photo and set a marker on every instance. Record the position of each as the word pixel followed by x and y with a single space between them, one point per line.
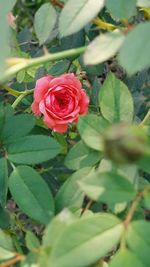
pixel 60 100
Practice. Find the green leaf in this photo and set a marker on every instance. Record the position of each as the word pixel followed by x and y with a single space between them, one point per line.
pixel 7 6
pixel 32 241
pixel 108 187
pixel 2 118
pixel 31 193
pixel 103 47
pixel 56 227
pixel 147 200
pixel 143 163
pixel 76 14
pixel 91 127
pixel 6 246
pixel 17 126
pixel 3 181
pixel 138 240
pixel 115 100
pixel 83 236
pixel 4 218
pixel 33 149
pixel 125 258
pixel 143 3
pixel 134 56
pixel 70 195
pixel 81 156
pixel 44 21
pixel 122 9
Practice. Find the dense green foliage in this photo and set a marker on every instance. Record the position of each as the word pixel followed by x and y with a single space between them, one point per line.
pixel 82 198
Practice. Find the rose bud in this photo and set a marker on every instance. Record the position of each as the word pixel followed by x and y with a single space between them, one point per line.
pixel 60 100
pixel 124 143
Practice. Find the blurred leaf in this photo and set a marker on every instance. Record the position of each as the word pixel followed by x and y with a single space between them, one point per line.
pixel 122 9
pixel 138 240
pixel 125 258
pixel 32 241
pixel 103 47
pixel 70 195
pixel 98 230
pixel 115 100
pixel 81 156
pixel 134 56
pixel 17 126
pixel 3 181
pixel 31 194
pixel 76 14
pixel 33 149
pixel 6 246
pixel 108 187
pixel 44 21
pixel 91 128
pixel 4 218
pixel 145 3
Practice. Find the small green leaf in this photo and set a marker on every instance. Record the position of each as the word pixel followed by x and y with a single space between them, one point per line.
pixel 138 240
pixel 70 195
pixel 103 47
pixel 108 187
pixel 83 236
pixel 31 194
pixel 76 14
pixel 91 127
pixel 3 181
pixel 32 241
pixel 134 56
pixel 81 156
pixel 6 246
pixel 115 100
pixel 33 149
pixel 125 258
pixel 44 21
pixel 122 9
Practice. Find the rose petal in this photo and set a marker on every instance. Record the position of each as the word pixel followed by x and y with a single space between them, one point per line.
pixel 66 79
pixel 60 128
pixel 42 86
pixel 35 108
pixel 84 103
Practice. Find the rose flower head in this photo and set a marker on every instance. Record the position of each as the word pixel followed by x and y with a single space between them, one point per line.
pixel 60 100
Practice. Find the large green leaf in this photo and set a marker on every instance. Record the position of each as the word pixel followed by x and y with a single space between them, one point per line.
pixel 3 181
pixel 125 258
pixel 103 47
pixel 108 187
pixel 44 21
pixel 81 156
pixel 122 9
pixel 134 56
pixel 31 193
pixel 76 14
pixel 91 127
pixel 2 118
pixel 84 237
pixel 17 126
pixel 115 100
pixel 33 149
pixel 4 218
pixel 138 240
pixel 70 195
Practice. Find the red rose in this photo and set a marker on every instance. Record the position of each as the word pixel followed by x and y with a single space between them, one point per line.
pixel 61 100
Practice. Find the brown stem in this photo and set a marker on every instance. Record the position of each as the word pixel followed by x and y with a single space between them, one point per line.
pixel 57 3
pixel 18 257
pixel 132 210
